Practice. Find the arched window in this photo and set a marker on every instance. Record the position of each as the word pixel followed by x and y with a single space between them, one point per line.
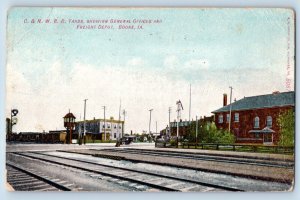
pixel 269 121
pixel 256 122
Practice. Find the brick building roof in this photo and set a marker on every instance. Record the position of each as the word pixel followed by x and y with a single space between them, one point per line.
pixel 262 101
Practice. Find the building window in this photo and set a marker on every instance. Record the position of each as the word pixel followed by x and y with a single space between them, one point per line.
pixel 120 127
pixel 256 122
pixel 115 135
pixel 269 121
pixel 220 119
pixel 115 127
pixel 227 118
pixel 236 117
pixel 257 135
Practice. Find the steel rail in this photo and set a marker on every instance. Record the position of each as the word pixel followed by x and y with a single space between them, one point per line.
pixel 102 173
pixel 131 170
pixel 201 157
pixel 202 153
pixel 52 183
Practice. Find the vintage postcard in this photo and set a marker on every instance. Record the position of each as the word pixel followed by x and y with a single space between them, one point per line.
pixel 150 99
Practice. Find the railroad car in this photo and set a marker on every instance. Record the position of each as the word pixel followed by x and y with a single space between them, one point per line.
pixel 51 137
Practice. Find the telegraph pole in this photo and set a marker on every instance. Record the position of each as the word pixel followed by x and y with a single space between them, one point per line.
pixel 104 123
pixel 84 122
pixel 150 121
pixel 169 122
pixel 230 107
pixel 190 111
pixel 196 131
pixel 119 119
pixel 179 108
pixel 156 126
pixel 124 114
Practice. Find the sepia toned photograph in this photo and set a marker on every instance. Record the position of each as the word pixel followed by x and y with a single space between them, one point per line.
pixel 150 99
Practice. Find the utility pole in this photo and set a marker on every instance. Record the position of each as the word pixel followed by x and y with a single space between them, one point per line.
pixel 156 127
pixel 11 124
pixel 124 114
pixel 196 130
pixel 230 108
pixel 169 122
pixel 84 122
pixel 104 123
pixel 119 119
pixel 190 111
pixel 179 108
pixel 150 121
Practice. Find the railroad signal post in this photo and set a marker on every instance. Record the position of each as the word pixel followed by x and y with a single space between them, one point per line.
pixel 69 124
pixel 13 118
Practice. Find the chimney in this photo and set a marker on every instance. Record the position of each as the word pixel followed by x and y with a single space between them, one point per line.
pixel 224 99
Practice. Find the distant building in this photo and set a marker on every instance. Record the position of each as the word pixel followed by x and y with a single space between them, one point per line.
pixel 254 119
pixel 95 128
pixel 184 126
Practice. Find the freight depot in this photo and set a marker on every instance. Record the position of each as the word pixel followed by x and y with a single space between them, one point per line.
pixel 79 26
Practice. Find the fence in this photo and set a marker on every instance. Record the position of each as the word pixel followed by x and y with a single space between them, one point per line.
pixel 231 147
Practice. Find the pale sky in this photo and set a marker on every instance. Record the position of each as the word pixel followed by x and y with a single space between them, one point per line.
pixel 52 68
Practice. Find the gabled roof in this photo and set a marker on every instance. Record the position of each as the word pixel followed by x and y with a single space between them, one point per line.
pixel 69 115
pixel 262 101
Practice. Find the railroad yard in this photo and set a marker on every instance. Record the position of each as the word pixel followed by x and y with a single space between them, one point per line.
pixel 142 167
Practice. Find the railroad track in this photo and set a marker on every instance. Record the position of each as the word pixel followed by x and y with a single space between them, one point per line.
pixel 145 180
pixel 206 157
pixel 22 179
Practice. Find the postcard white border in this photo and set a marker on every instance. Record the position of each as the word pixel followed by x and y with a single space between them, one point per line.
pixel 6 4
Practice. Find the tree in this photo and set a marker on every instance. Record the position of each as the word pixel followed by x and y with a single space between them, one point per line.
pixel 208 133
pixel 227 137
pixel 286 123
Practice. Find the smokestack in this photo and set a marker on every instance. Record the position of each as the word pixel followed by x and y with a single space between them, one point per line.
pixel 224 99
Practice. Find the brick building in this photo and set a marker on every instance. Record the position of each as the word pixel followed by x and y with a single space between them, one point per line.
pixel 254 119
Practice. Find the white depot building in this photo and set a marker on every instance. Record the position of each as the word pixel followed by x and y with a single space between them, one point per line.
pixel 96 128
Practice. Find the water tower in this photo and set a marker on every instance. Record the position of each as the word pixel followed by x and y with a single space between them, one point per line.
pixel 69 124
